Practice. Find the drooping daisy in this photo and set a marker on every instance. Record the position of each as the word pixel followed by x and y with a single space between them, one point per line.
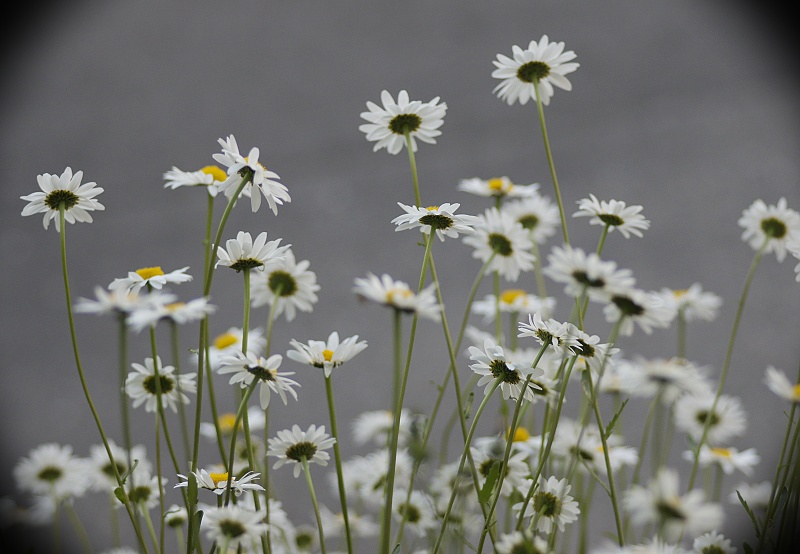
pixel 326 354
pixel 549 333
pixel 417 511
pixel 53 470
pixel 497 187
pixel 492 365
pixel 728 459
pixel 586 272
pixel 504 241
pixel 694 303
pixel 543 62
pixel 142 387
pixel 230 342
pixel 773 224
pixel 778 383
pixel 178 312
pixel 398 295
pixel 218 482
pixel 634 306
pixel 151 278
pixel 248 167
pixel 551 503
pixel 232 527
pixel 521 542
pixel 660 504
pixel 294 446
pixel 63 190
pixel 289 284
pixel 537 215
pixel 513 301
pixel 245 253
pixel 387 126
pixel 713 543
pixel 210 177
pixel 728 419
pixel 248 367
pixel 441 218
pixel 613 214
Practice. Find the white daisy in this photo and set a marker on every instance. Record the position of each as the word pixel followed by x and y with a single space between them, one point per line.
pixel 245 253
pixel 728 459
pixel 756 495
pixel 672 378
pixel 503 240
pixel 178 312
pixel 291 284
pixel 388 125
pixel 218 482
pixel 248 167
pixel 713 543
pixel 513 301
pixel 248 367
pixel 773 224
pixel 102 470
pixel 694 303
pixel 365 477
pixel 398 295
pixel 551 504
pixel 793 246
pixel 497 187
pixel 176 516
pixel 52 470
pixel 592 354
pixel 521 542
pixel 727 421
pixel 441 219
pixel 326 354
pixel 142 387
pixel 210 176
pixel 634 306
pixel 120 301
pixel 230 342
pixel 537 215
pixel 516 471
pixel 492 365
pixel 417 510
pixel 143 488
pixel 151 278
pixel 375 426
pixel 586 272
pixel 551 333
pixel 778 383
pixel 361 526
pixel 293 446
pixel 232 527
pixel 613 214
pixel 63 190
pixel 660 504
pixel 543 62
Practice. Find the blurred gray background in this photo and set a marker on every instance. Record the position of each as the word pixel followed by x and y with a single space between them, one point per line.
pixel 687 108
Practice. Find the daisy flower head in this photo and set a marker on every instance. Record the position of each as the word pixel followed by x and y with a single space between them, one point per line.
pixel 120 301
pixel 441 219
pixel 728 459
pixel 180 313
pixel 210 177
pixel 592 354
pixel 728 419
pixel 143 387
pixel 537 214
pixel 551 503
pixel 230 342
pixel 671 378
pixel 52 470
pixel 388 126
pixel 693 303
pixel 360 526
pixel 176 516
pixel 778 383
pixel 326 354
pixel 218 482
pixel 144 489
pixel 296 446
pixel 613 214
pixel 521 542
pixel 248 167
pixel 492 365
pixel 497 187
pixel 245 253
pixel 660 503
pixel 713 543
pixel 513 301
pixel 102 469
pixel 756 495
pixel 232 527
pixel 505 242
pixel 417 511
pixel 586 272
pixel 249 367
pixel 543 63
pixel 290 285
pixel 149 278
pixel 633 306
pixel 65 191
pixel 374 426
pixel 515 472
pixel 770 225
pixel 551 333
pixel 398 295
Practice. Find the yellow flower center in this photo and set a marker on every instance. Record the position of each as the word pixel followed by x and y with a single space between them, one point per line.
pixel 327 354
pixel 508 296
pixel 148 272
pixel 226 422
pixel 520 435
pixel 219 478
pixel 679 293
pixel 216 172
pixel 432 208
pixel 225 340
pixel 395 293
pixel 721 452
pixel 796 392
pixel 496 184
pixel 175 306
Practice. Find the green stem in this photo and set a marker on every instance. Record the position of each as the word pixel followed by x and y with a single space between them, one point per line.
pixel 246 310
pixel 338 460
pixel 681 335
pixel 176 360
pixel 307 473
pixel 123 375
pixel 232 454
pixel 413 162
pixel 80 530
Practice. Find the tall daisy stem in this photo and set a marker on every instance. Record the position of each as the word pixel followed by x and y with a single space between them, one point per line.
pixel 307 472
pixel 412 160
pixel 338 460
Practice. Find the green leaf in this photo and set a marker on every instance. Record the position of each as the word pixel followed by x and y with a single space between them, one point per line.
pixel 120 494
pixel 747 548
pixel 194 539
pixel 491 479
pixel 610 426
pixel 396 549
pixel 468 405
pixel 749 513
pixel 192 489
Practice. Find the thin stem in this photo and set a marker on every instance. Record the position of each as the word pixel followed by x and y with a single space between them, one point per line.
pixel 176 361
pixel 231 456
pixel 338 460
pixel 307 473
pixel 123 375
pixel 80 530
pixel 413 162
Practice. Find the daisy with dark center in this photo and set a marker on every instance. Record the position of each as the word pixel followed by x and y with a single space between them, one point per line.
pixel 555 334
pixel 770 227
pixel 521 542
pixel 256 176
pixel 514 472
pixel 104 479
pixel 398 295
pixel 634 306
pixel 289 285
pixel 178 313
pixel 503 241
pixel 497 187
pixel 249 368
pixel 441 219
pixel 234 527
pixel 415 511
pixel 210 177
pixel 713 543
pixel 52 470
pixel 693 412
pixel 405 121
pixel 582 272
pixel 493 367
pixel 143 387
pixel 65 191
pixel 243 253
pixel 551 505
pixel 536 68
pixel 149 278
pixel 537 215
pixel 613 215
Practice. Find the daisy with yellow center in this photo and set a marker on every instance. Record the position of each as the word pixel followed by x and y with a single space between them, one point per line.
pixel 514 301
pixel 326 354
pixel 398 295
pixel 778 383
pixel 728 459
pixel 210 176
pixel 230 342
pixel 497 187
pixel 218 482
pixel 178 312
pixel 151 278
pixel 441 219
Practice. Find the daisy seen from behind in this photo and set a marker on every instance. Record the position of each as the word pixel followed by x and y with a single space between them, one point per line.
pixel 441 219
pixel 614 215
pixel 289 284
pixel 389 125
pixel 505 242
pixel 693 303
pixel 779 384
pixel 770 227
pixel 65 191
pixel 178 313
pixel 250 367
pixel 232 527
pixel 537 214
pixel 540 66
pixel 245 253
pixel 551 504
pixel 326 354
pixel 143 387
pixel 210 177
pixel 295 446
pixel 254 173
pixel 582 272
pixel 52 470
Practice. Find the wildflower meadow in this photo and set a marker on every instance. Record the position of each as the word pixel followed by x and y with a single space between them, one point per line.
pixel 521 347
